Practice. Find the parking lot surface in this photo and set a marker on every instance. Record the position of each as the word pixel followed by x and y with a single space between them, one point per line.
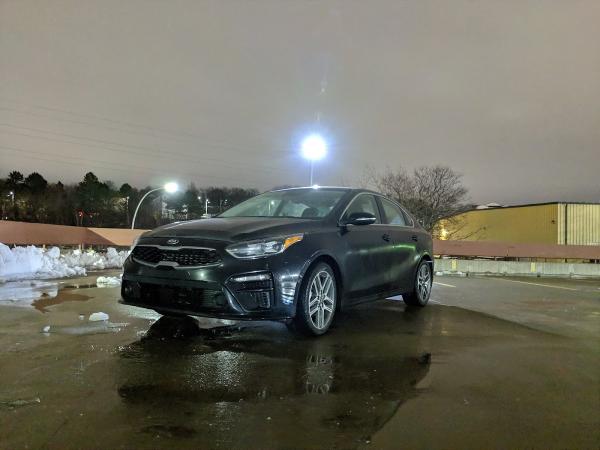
pixel 490 363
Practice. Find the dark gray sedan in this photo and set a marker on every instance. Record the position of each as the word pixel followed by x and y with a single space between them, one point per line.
pixel 297 255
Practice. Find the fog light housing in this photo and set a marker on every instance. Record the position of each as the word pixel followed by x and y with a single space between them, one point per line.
pixel 130 290
pixel 251 277
pixel 252 290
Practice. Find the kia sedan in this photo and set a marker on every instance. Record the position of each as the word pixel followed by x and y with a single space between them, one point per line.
pixel 296 255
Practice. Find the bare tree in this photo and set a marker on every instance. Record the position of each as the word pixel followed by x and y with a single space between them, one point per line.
pixel 430 193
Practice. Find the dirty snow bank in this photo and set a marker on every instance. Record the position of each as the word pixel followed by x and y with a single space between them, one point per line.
pixel 108 281
pixel 22 263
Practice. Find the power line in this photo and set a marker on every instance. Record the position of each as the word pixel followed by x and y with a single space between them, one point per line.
pixel 121 130
pixel 106 119
pixel 116 166
pixel 154 152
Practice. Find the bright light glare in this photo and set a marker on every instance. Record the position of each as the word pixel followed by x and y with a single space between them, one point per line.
pixel 314 147
pixel 315 186
pixel 171 187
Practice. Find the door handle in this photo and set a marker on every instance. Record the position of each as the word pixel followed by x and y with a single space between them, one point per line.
pixel 415 237
pixel 386 237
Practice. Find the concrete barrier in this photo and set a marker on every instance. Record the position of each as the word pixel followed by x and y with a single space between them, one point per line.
pixel 536 269
pixel 24 233
pixel 515 250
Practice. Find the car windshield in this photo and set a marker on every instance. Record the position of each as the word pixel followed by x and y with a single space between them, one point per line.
pixel 297 203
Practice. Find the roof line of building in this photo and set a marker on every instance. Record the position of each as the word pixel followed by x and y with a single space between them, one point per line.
pixel 533 204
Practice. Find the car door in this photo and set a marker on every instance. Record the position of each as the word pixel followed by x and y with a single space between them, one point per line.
pixel 365 248
pixel 402 258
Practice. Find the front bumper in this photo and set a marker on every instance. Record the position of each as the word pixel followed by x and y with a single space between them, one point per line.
pixel 261 289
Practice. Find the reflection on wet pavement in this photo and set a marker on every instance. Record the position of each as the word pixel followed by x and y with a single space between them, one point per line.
pixel 22 293
pixel 338 392
pixel 44 302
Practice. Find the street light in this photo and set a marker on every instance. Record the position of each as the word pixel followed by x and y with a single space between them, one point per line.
pixel 169 188
pixel 313 148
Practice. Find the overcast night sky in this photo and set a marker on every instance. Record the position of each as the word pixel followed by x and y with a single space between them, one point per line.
pixel 221 92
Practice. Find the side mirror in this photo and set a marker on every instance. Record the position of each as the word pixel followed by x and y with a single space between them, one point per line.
pixel 360 218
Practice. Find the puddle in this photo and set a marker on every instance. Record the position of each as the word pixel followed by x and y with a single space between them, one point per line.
pixel 245 374
pixel 86 328
pixel 44 302
pixel 23 293
pixel 79 286
pixel 169 431
pixel 40 294
pixel 19 403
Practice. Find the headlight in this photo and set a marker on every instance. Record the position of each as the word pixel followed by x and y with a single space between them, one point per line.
pixel 264 247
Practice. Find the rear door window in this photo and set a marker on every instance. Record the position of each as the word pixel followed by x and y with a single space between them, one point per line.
pixel 393 215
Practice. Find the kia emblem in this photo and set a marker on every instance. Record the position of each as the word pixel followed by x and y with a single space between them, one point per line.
pixel 173 241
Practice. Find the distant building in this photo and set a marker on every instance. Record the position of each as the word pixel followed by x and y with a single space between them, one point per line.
pixel 541 223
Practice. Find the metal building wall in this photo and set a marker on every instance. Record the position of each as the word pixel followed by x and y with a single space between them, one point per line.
pixel 534 224
pixel 554 223
pixel 578 224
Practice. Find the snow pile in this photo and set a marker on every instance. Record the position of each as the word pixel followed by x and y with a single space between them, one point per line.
pixel 108 281
pixel 91 259
pixel 33 262
pixel 29 262
pixel 98 316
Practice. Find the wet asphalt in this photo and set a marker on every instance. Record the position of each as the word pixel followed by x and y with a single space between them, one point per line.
pixel 490 363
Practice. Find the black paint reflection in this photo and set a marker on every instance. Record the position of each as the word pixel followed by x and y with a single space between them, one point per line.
pixel 234 382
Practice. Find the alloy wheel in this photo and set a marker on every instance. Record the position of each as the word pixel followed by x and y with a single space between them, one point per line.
pixel 321 300
pixel 424 281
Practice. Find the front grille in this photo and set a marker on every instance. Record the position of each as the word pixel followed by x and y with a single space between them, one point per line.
pixel 184 257
pixel 181 298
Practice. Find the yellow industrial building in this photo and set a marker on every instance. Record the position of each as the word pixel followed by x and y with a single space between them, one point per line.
pixel 543 223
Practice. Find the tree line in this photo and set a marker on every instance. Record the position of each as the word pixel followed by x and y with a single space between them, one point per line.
pixel 430 193
pixel 92 202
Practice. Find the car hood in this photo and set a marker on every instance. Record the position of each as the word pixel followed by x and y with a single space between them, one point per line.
pixel 234 228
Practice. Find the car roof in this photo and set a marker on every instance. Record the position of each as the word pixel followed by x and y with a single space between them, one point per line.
pixel 340 188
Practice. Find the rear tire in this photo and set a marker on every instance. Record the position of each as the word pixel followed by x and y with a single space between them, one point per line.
pixel 317 301
pixel 422 286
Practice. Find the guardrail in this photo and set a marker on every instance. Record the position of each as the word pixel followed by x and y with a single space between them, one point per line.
pixel 24 233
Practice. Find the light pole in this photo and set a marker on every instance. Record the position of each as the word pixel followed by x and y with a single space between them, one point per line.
pixel 313 148
pixel 206 202
pixel 169 188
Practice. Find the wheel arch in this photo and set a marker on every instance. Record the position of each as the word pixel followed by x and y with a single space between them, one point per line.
pixel 339 279
pixel 425 256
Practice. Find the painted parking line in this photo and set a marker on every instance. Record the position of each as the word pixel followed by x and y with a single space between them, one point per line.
pixel 539 284
pixel 444 284
pixel 435 302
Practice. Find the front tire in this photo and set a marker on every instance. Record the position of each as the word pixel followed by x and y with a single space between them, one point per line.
pixel 422 286
pixel 317 301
